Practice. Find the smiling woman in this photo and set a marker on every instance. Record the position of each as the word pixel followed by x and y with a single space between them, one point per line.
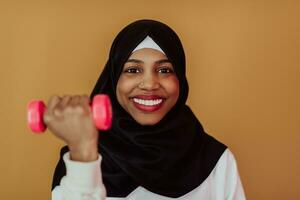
pixel 148 87
pixel 156 147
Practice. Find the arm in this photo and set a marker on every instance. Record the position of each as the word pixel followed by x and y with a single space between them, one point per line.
pixel 83 181
pixel 70 119
pixel 229 175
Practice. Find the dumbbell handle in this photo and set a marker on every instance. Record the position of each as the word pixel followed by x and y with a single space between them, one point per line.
pixel 101 111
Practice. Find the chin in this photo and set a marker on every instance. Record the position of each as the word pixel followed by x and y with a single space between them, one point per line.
pixel 147 122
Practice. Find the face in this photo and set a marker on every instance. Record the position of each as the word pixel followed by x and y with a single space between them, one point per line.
pixel 148 87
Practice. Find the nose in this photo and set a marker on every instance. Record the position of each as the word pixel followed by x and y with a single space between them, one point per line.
pixel 149 82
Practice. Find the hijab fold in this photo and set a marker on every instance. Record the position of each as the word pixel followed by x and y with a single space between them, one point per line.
pixel 170 158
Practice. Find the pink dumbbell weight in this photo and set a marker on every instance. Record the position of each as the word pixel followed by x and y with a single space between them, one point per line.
pixel 101 109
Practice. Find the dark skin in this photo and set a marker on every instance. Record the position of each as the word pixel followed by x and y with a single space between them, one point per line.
pixel 67 118
pixel 70 117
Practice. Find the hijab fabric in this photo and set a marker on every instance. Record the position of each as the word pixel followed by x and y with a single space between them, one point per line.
pixel 170 158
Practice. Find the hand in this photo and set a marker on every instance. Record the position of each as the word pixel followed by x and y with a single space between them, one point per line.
pixel 70 119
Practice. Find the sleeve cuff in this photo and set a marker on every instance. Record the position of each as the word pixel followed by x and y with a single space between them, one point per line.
pixel 83 174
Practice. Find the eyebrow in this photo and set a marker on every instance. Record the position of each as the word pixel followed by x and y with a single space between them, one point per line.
pixel 157 62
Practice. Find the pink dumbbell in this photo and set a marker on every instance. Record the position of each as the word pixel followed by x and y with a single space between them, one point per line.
pixel 101 109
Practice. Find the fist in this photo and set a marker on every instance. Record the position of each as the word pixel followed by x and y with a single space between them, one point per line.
pixel 70 119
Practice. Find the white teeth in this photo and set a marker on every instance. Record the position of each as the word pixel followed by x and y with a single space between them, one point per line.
pixel 147 102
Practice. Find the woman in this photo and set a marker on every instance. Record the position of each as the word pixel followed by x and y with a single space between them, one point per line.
pixel 156 147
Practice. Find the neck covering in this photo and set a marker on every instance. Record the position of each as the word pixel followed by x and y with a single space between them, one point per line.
pixel 170 158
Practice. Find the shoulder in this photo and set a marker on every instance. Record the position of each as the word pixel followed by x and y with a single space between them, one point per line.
pixel 226 178
pixel 228 156
pixel 226 172
pixel 227 163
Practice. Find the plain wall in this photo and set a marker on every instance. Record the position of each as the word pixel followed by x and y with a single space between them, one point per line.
pixel 243 67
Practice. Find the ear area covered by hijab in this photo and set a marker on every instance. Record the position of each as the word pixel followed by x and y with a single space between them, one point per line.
pixel 170 158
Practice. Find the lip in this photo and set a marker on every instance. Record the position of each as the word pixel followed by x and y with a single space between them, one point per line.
pixel 148 108
pixel 148 97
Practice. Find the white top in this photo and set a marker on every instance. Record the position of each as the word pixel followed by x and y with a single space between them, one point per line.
pixel 83 181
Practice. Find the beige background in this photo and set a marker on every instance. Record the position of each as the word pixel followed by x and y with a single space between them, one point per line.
pixel 243 69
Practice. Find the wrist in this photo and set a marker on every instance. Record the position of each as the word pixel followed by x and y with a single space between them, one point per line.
pixel 84 151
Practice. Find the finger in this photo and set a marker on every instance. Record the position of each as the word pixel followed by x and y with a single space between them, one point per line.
pixel 75 100
pixel 53 101
pixel 85 102
pixel 64 101
pixel 75 105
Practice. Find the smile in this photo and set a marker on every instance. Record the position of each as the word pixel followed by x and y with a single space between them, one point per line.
pixel 148 102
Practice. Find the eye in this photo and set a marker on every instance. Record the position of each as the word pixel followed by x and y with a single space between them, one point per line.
pixel 165 70
pixel 132 70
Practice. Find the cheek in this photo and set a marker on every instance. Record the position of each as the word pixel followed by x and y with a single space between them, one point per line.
pixel 120 90
pixel 172 87
pixel 124 86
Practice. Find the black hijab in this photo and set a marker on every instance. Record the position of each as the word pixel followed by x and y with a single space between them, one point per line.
pixel 170 158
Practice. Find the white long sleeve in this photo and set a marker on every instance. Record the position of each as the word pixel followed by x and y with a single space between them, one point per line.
pixel 83 181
